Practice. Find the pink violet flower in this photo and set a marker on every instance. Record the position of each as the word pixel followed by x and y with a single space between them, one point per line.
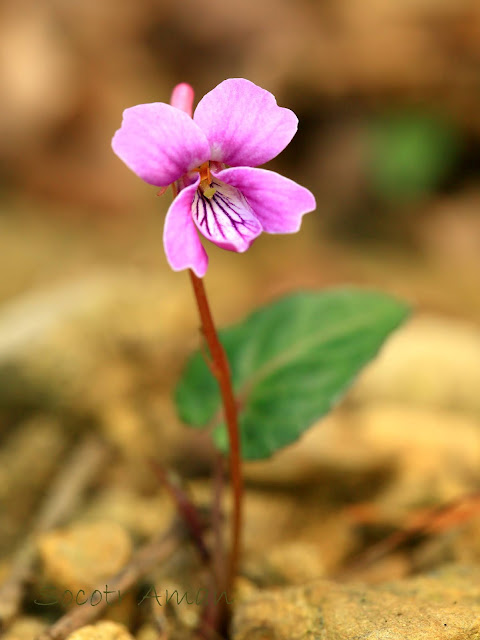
pixel 212 159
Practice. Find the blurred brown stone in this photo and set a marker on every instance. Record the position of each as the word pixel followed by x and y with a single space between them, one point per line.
pixel 24 628
pixel 81 556
pixel 101 631
pixel 443 606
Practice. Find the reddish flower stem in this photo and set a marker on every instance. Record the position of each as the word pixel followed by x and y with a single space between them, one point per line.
pixel 221 370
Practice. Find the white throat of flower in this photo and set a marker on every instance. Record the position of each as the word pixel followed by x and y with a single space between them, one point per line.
pixel 223 215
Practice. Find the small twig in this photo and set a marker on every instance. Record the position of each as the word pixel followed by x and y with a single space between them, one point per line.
pixel 423 524
pixel 61 501
pixel 187 510
pixel 142 562
pixel 68 487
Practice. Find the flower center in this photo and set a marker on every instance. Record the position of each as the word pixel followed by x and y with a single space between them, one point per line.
pixel 205 185
pixel 226 217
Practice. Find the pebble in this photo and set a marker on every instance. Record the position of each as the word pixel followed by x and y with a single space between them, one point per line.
pixel 83 555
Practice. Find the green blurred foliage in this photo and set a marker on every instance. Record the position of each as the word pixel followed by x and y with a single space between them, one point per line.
pixel 411 153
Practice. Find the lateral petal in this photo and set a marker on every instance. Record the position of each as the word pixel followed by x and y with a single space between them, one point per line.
pixel 160 143
pixel 278 203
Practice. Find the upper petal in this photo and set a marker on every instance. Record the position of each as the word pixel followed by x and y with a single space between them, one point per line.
pixel 244 124
pixel 160 143
pixel 279 203
pixel 180 237
pixel 226 218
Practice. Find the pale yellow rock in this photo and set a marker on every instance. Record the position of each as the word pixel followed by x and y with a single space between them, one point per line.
pixel 86 342
pixel 109 345
pixel 289 537
pixel 444 607
pixel 427 455
pixel 435 454
pixel 275 616
pixel 142 516
pixel 24 629
pixel 124 427
pixel 432 362
pixel 350 614
pixel 83 555
pixel 104 630
pixel 147 632
pixel 305 544
pixel 329 443
pixel 296 561
pixel 245 589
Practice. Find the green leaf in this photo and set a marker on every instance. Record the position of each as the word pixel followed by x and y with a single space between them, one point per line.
pixel 290 362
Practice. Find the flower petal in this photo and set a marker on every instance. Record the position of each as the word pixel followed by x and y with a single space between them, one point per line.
pixel 159 143
pixel 243 123
pixel 226 218
pixel 180 237
pixel 279 203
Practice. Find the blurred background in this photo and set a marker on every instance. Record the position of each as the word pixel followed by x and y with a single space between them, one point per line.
pixel 94 327
pixel 387 95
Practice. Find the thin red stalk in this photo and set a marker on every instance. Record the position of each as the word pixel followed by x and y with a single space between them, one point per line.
pixel 221 370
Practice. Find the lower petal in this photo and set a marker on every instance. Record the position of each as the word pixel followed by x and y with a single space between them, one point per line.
pixel 278 203
pixel 180 237
pixel 223 216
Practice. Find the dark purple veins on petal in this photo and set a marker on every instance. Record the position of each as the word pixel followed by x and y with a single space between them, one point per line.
pixel 226 218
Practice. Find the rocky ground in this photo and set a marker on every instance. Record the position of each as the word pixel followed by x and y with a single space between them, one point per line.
pixel 368 527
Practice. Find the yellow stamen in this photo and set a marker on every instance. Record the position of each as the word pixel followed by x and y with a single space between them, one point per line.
pixel 205 185
pixel 209 192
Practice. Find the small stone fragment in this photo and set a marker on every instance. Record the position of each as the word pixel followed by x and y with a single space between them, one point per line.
pixel 104 630
pixel 142 516
pixel 83 555
pixel 147 632
pixel 439 607
pixel 24 629
pixel 405 455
